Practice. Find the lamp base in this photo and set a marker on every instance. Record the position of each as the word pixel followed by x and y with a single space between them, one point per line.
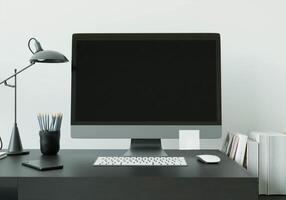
pixel 15 145
pixel 17 153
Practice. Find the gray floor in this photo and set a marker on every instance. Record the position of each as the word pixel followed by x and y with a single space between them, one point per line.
pixel 262 197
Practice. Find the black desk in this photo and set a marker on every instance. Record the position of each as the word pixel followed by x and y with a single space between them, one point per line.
pixel 79 180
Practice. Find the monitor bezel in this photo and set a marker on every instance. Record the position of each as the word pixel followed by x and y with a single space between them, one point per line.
pixel 146 36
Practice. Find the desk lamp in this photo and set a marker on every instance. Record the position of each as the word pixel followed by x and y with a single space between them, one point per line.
pixel 41 56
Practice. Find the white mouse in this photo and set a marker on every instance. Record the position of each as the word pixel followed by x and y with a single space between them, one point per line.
pixel 211 159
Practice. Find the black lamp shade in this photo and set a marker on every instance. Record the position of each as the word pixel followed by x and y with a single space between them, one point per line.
pixel 47 56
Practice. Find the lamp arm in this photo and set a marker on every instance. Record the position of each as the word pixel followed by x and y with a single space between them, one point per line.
pixel 15 74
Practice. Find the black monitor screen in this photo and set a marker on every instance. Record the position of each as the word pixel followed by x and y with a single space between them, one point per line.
pixel 146 81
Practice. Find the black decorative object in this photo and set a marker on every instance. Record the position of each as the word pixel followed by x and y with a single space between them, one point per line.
pixel 39 55
pixel 49 142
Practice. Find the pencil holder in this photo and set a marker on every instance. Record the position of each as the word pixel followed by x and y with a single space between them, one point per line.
pixel 49 142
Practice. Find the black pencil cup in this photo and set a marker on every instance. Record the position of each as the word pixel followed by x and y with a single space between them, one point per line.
pixel 50 142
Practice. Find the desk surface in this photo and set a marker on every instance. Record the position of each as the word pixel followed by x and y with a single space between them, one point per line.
pixel 78 163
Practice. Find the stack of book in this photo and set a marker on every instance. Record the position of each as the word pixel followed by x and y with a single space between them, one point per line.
pixel 235 147
pixel 3 155
pixel 266 160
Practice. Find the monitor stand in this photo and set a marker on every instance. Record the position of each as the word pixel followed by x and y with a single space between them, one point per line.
pixel 145 147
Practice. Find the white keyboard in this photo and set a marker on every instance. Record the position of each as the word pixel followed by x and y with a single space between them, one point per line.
pixel 140 161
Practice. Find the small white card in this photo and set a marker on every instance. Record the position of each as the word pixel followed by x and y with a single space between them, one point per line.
pixel 189 139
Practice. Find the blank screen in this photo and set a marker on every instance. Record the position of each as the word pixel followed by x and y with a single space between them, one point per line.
pixel 146 82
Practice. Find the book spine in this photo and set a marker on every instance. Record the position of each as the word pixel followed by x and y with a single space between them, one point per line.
pixel 277 164
pixel 263 164
pixel 252 157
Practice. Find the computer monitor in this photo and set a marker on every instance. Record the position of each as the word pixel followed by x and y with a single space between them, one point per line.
pixel 145 86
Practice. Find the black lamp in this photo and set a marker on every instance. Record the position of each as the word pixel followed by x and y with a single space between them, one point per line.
pixel 39 55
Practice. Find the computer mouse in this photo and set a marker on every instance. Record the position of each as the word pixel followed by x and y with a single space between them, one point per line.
pixel 210 159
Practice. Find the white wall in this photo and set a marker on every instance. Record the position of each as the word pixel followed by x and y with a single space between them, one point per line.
pixel 253 56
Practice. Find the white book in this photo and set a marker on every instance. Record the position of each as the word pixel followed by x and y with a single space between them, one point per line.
pixel 226 143
pixel 234 147
pixel 231 137
pixel 270 160
pixel 241 148
pixel 263 161
pixel 252 157
pixel 231 151
pixel 277 164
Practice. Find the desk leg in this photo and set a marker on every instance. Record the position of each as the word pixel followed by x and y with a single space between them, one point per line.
pixel 8 189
